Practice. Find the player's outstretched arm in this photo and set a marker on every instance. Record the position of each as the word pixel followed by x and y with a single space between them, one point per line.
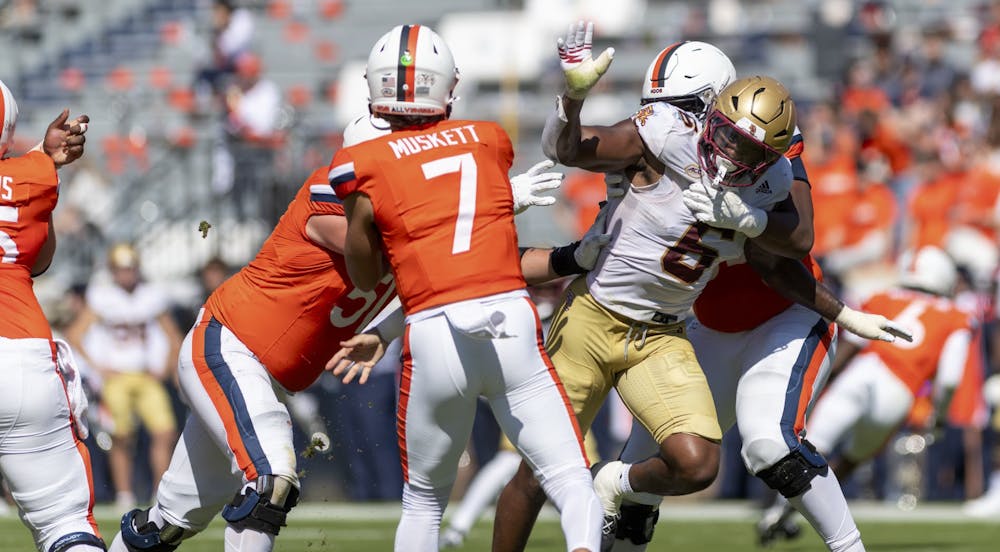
pixel 362 252
pixel 565 139
pixel 542 265
pixel 328 231
pixel 791 278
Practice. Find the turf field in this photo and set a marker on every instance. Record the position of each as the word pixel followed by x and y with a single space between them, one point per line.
pixel 698 527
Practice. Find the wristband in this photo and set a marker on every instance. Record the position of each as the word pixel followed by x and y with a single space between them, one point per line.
pixel 563 260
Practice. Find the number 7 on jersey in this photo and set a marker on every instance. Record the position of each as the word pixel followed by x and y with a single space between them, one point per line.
pixel 465 165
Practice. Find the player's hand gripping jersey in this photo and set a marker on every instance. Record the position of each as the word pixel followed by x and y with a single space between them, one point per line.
pixel 294 304
pixel 737 299
pixel 660 257
pixel 443 206
pixel 932 319
pixel 29 189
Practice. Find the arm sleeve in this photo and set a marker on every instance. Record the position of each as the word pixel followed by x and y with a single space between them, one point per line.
pixel 322 199
pixel 794 155
pixel 951 363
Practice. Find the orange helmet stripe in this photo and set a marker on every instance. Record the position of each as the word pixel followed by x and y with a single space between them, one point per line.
pixel 660 71
pixel 411 45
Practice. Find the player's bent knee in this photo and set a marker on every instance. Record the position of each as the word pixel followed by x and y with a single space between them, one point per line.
pixel 78 540
pixel 692 459
pixel 637 522
pixel 792 474
pixel 263 507
pixel 140 534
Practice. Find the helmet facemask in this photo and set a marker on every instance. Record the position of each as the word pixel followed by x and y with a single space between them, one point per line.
pixel 730 155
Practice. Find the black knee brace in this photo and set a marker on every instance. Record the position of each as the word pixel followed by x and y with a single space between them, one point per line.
pixel 141 535
pixel 254 510
pixel 72 539
pixel 637 523
pixel 791 475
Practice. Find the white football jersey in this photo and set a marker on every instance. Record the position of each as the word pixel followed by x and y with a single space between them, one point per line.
pixel 660 257
pixel 127 336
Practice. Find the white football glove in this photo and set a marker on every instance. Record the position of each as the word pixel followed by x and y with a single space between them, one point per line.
pixel 525 185
pixel 581 69
pixel 616 184
pixel 871 326
pixel 724 208
pixel 593 241
pixel 78 402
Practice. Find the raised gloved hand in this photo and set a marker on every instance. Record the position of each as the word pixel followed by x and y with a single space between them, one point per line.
pixel 593 241
pixel 526 185
pixel 724 208
pixel 871 326
pixel 575 56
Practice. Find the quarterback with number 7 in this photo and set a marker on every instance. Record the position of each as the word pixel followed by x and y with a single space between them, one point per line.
pixel 433 196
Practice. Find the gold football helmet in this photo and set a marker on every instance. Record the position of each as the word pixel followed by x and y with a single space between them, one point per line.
pixel 750 126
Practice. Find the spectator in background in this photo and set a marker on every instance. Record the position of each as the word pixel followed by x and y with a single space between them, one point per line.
pixel 867 218
pixel 232 36
pixel 253 109
pixel 127 336
pixel 365 431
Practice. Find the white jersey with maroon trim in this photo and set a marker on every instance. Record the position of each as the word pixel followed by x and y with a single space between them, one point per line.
pixel 660 257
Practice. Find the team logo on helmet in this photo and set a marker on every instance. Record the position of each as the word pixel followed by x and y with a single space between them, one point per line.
pixel 406 59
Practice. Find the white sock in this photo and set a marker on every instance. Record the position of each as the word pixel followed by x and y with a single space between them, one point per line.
pixel 626 485
pixel 247 540
pixel 485 487
pixel 421 520
pixel 84 548
pixel 824 505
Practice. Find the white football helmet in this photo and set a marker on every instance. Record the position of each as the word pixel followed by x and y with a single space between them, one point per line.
pixel 8 113
pixel 411 72
pixel 688 75
pixel 364 128
pixel 929 269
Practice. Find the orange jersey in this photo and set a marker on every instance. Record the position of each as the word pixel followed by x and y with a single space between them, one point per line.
pixel 29 189
pixel 932 320
pixel 443 206
pixel 931 209
pixel 294 304
pixel 872 208
pixel 737 300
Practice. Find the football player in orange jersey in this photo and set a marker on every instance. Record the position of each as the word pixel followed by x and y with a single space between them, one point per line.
pixel 878 382
pixel 790 343
pixel 43 413
pixel 433 196
pixel 268 330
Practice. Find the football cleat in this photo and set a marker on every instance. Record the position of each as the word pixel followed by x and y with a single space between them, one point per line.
pixel 776 525
pixel 451 538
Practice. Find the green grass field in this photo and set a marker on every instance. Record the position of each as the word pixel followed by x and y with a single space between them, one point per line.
pixel 347 528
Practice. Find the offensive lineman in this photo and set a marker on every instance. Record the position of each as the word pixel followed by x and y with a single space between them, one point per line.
pixel 744 148
pixel 42 423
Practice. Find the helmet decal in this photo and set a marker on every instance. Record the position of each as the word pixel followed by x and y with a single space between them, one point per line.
pixel 407 63
pixel 660 65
